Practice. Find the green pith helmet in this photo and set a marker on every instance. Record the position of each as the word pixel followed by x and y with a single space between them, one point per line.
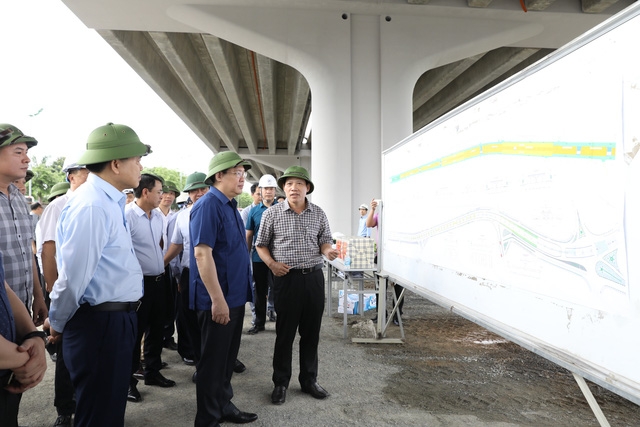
pixel 15 136
pixel 29 176
pixel 111 142
pixel 223 161
pixel 295 172
pixel 195 181
pixel 170 187
pixel 58 190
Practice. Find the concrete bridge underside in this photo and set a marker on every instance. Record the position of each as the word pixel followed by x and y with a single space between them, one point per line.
pixel 247 75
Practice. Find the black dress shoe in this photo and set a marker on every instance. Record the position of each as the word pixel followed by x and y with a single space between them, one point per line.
pixel 63 421
pixel 239 417
pixel 133 395
pixel 239 367
pixel 159 380
pixel 279 395
pixel 255 329
pixel 272 316
pixel 188 362
pixel 315 390
pixel 139 374
pixel 194 377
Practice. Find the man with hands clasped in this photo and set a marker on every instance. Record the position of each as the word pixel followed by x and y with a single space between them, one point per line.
pixel 293 237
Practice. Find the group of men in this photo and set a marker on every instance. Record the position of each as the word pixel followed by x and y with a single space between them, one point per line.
pixel 106 267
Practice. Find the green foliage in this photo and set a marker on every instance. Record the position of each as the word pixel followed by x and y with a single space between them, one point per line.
pixel 45 176
pixel 168 175
pixel 244 200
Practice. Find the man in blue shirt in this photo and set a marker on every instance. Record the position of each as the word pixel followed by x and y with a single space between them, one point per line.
pixel 220 286
pixel 262 276
pixel 363 230
pixel 99 285
pixel 147 235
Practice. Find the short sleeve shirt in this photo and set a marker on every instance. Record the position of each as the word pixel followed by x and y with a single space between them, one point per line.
pixel 294 239
pixel 15 243
pixel 215 222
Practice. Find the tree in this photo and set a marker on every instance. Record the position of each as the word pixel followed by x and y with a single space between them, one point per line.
pixel 168 175
pixel 244 200
pixel 45 177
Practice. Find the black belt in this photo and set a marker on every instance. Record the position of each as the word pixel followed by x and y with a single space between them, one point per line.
pixel 306 270
pixel 157 278
pixel 111 306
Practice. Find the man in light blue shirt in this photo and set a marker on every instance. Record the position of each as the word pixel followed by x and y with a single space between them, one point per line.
pixel 147 235
pixel 94 299
pixel 363 230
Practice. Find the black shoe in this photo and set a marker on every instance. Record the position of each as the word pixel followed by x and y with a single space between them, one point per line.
pixel 272 316
pixel 255 329
pixel 133 395
pixel 159 380
pixel 239 367
pixel 395 322
pixel 188 362
pixel 315 390
pixel 54 357
pixel 139 374
pixel 63 421
pixel 279 395
pixel 170 344
pixel 194 377
pixel 239 417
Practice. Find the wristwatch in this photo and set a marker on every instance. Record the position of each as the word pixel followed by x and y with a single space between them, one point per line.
pixel 32 334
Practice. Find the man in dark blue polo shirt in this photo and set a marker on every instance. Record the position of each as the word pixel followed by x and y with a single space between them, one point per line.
pixel 220 287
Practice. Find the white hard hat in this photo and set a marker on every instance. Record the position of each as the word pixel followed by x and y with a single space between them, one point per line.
pixel 267 181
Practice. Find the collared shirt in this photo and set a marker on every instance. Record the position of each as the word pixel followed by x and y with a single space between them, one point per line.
pixel 146 234
pixel 363 230
pixel 7 322
pixel 95 257
pixel 245 213
pixel 215 222
pixel 15 244
pixel 295 239
pixel 167 228
pixel 253 223
pixel 181 236
pixel 46 228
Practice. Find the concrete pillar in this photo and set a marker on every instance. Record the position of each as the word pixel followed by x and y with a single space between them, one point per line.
pixel 361 70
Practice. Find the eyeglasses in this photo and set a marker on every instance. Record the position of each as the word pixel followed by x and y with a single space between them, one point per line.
pixel 238 174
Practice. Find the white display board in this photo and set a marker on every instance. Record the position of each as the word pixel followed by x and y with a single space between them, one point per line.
pixel 518 209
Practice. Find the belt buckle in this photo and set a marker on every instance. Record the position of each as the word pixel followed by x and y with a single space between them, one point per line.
pixel 159 277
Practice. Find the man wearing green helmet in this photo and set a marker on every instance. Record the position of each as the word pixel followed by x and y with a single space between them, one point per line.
pixel 99 285
pixel 16 226
pixel 293 237
pixel 220 281
pixel 23 365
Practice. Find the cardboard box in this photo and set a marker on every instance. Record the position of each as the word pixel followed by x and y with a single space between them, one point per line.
pixel 356 252
pixel 368 301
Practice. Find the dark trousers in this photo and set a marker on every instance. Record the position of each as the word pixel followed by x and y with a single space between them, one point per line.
pixel 263 278
pixel 220 345
pixel 171 306
pixel 98 347
pixel 9 404
pixel 187 322
pixel 299 302
pixel 150 324
pixel 64 399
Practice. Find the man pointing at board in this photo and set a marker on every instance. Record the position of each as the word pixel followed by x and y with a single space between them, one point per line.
pixel 293 237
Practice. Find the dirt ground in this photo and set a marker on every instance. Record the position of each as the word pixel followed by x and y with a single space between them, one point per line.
pixel 448 373
pixel 451 365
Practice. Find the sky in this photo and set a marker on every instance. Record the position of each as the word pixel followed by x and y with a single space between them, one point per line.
pixel 59 80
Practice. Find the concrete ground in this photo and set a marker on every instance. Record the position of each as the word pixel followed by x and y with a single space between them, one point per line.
pixel 439 377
